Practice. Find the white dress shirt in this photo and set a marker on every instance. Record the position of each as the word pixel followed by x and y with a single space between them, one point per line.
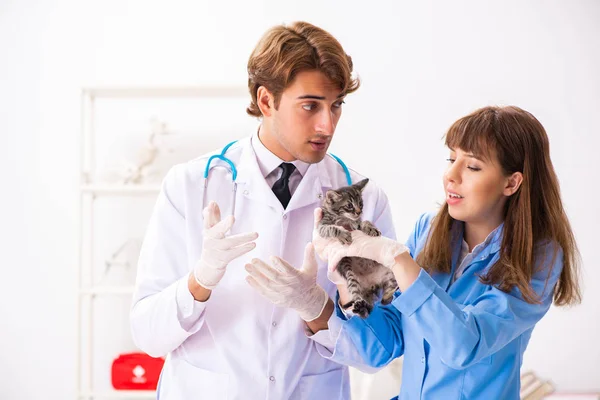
pixel 269 165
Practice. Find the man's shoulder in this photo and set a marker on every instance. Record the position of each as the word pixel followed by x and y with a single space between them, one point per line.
pixel 195 168
pixel 231 150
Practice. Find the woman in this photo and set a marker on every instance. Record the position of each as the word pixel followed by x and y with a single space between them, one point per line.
pixel 478 275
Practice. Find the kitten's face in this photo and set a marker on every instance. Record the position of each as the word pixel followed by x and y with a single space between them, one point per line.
pixel 346 202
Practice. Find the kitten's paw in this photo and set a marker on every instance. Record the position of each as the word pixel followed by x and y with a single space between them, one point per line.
pixel 387 299
pixel 362 308
pixel 373 232
pixel 345 238
pixel 370 229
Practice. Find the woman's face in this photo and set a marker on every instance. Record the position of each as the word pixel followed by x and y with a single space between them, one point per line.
pixel 476 188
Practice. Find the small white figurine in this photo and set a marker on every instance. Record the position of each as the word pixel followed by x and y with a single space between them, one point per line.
pixel 136 173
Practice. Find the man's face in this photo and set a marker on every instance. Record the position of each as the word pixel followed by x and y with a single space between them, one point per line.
pixel 304 123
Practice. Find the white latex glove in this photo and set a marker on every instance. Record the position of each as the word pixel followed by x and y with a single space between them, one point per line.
pixel 219 250
pixel 379 248
pixel 321 246
pixel 286 286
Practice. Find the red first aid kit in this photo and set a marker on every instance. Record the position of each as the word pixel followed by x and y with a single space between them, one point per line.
pixel 136 371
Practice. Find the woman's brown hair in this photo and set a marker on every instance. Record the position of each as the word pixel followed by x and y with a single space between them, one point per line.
pixel 533 216
pixel 284 51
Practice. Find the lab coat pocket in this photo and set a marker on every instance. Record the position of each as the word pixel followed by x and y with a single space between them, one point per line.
pixel 485 360
pixel 328 385
pixel 187 382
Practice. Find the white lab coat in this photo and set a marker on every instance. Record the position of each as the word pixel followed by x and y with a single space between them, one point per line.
pixel 237 345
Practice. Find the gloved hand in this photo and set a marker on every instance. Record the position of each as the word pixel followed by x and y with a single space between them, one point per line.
pixel 379 248
pixel 287 286
pixel 219 250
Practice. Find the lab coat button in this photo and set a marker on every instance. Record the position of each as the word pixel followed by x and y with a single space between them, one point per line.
pixel 285 216
pixel 272 378
pixel 423 360
pixel 274 323
pixel 246 192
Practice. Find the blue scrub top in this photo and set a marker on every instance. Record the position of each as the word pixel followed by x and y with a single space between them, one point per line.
pixel 461 340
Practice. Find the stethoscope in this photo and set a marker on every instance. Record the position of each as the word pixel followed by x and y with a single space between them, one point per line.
pixel 233 170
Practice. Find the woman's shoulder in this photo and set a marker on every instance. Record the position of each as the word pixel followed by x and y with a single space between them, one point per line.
pixel 548 254
pixel 420 231
pixel 424 222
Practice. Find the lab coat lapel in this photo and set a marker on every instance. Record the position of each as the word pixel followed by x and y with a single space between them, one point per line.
pixel 251 182
pixel 311 188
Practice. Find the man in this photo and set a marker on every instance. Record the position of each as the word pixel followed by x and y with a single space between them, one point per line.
pixel 224 340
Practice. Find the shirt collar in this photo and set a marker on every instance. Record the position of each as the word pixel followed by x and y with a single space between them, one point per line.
pixel 491 244
pixel 493 237
pixel 268 162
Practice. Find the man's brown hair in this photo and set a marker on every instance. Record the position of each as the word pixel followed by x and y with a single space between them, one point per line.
pixel 284 51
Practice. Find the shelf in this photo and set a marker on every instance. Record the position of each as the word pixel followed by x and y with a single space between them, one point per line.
pixel 121 190
pixel 120 394
pixel 106 290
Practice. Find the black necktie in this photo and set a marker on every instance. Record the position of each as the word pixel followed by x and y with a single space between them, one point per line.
pixel 281 187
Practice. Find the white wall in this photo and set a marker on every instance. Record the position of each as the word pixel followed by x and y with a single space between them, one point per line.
pixel 423 65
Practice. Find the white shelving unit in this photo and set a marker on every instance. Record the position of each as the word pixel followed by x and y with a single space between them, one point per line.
pixel 90 192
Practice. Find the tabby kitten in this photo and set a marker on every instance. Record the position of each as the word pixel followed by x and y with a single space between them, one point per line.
pixel 342 209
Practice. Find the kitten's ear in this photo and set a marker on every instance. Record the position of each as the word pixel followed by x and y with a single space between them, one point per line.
pixel 333 196
pixel 361 185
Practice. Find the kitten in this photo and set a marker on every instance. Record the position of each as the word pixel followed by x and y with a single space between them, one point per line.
pixel 342 208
